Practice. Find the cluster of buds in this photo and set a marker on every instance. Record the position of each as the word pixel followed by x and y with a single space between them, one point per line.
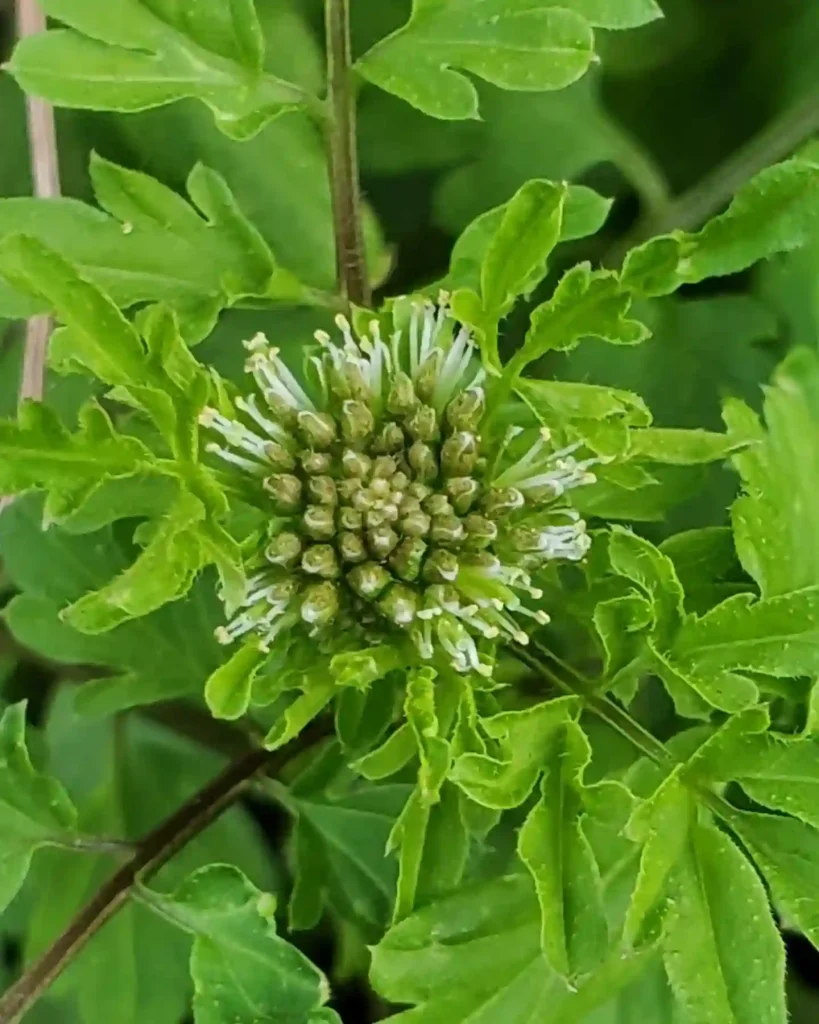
pixel 385 510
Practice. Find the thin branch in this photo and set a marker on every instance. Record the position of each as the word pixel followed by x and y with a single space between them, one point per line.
pixel 155 850
pixel 351 267
pixel 691 209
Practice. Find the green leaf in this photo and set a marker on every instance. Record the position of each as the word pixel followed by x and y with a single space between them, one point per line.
pixel 787 853
pixel 475 958
pixel 638 560
pixel 775 212
pixel 535 48
pixel 153 247
pixel 166 654
pixel 586 303
pixel 504 778
pixel 228 690
pixel 778 637
pixel 139 55
pixel 243 972
pixel 37 452
pixel 614 14
pixel 34 808
pixel 715 896
pixel 554 847
pixel 561 401
pixel 776 534
pixel 680 447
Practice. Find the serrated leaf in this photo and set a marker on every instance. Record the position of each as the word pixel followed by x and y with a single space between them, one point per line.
pixel 34 808
pixel 776 533
pixel 778 637
pixel 505 776
pixel 715 895
pixel 561 401
pixel 536 47
pixel 243 972
pixel 680 447
pixel 164 655
pixel 554 847
pixel 141 55
pixel 640 561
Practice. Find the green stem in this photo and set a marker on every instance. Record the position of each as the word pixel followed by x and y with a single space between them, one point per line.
pixel 351 267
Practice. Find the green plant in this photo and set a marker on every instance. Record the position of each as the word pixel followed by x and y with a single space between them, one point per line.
pixel 391 573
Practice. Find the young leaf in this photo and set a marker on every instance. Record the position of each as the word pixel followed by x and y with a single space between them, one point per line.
pixel 228 690
pixel 142 55
pixel 553 845
pixel 715 895
pixel 242 971
pixel 539 48
pixel 34 808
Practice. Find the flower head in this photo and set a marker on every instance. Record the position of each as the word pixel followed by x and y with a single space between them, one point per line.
pixel 386 512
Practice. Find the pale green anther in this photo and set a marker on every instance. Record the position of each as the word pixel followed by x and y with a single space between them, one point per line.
pixel 437 505
pixel 368 580
pixel 390 439
pixel 320 560
pixel 319 522
pixel 277 455
pixel 381 540
pixel 402 399
pixel 399 604
pixel 422 425
pixel 408 557
pixel 480 531
pixel 349 518
pixel 316 463
pixel 462 492
pixel 459 453
pixel 384 467
pixel 415 524
pixel 357 421
pixel 322 489
pixel 351 547
pixel 284 550
pixel 286 490
pixel 441 566
pixel 446 529
pixel 500 501
pixel 427 376
pixel 319 428
pixel 320 603
pixel 466 409
pixel 422 459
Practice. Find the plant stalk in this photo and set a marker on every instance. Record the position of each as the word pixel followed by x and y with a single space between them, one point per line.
pixel 152 853
pixel 345 189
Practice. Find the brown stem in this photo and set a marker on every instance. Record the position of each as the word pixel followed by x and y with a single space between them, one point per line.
pixel 351 267
pixel 155 850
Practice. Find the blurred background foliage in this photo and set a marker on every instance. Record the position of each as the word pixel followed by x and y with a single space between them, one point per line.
pixel 717 81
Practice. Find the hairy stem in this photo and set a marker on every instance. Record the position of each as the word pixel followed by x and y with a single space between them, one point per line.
pixel 155 850
pixel 344 183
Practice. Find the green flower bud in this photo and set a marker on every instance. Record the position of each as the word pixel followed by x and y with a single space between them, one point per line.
pixel 384 468
pixel 357 421
pixel 351 547
pixel 408 557
pixel 402 399
pixel 399 604
pixel 501 501
pixel 446 529
pixel 286 490
pixel 422 460
pixel 415 524
pixel 278 456
pixel 400 481
pixel 462 492
pixel 319 522
pixel 389 439
pixel 480 531
pixel 381 540
pixel 363 500
pixel 437 505
pixel 368 580
pixel 320 560
pixel 459 454
pixel 348 488
pixel 356 464
pixel 422 425
pixel 319 428
pixel 322 489
pixel 466 409
pixel 427 376
pixel 441 566
pixel 284 549
pixel 349 518
pixel 316 463
pixel 418 490
pixel 320 603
